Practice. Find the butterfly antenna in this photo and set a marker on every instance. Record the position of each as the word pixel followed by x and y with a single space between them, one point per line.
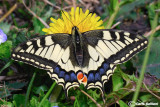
pixel 83 20
pixel 67 17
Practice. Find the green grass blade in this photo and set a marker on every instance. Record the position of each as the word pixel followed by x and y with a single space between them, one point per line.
pixel 6 66
pixel 29 89
pixel 48 93
pixel 144 63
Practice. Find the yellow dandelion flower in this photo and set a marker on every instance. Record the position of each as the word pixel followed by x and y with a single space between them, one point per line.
pixel 84 21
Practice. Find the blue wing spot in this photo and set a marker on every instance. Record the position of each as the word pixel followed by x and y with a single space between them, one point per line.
pixel 97 77
pixel 101 71
pixel 61 74
pixel 56 70
pixel 90 77
pixel 67 78
pixel 105 66
pixel 73 77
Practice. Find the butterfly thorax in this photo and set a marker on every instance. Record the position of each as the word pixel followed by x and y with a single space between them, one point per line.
pixel 77 42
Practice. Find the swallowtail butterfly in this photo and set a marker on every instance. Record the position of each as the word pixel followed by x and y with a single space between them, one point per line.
pixel 87 58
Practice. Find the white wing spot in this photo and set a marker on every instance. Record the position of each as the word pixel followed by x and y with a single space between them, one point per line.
pixel 48 40
pixel 44 52
pixel 126 33
pixel 42 65
pixel 116 45
pixel 123 59
pixel 135 49
pixel 142 44
pixel 136 39
pixel 55 52
pixel 18 56
pixel 38 43
pixel 29 49
pixel 13 55
pixel 114 50
pixel 127 55
pixel 127 38
pixel 116 61
pixel 39 51
pixel 90 66
pixel 49 52
pixel 29 43
pixel 127 42
pixel 131 52
pixel 23 57
pixel 48 67
pixel 93 53
pixel 32 51
pixel 121 44
pixel 107 35
pixel 21 50
pixel 32 60
pixel 118 36
pixel 66 55
pixel 37 63
pixel 146 42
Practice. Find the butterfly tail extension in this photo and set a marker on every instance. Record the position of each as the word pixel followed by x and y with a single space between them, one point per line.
pixel 97 78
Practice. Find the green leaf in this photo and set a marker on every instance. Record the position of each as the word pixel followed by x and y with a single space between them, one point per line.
pixel 55 93
pixel 122 104
pixel 130 6
pixel 94 94
pixel 19 100
pixel 113 5
pixel 145 97
pixel 34 101
pixel 38 26
pixel 5 27
pixel 16 85
pixel 46 103
pixel 117 81
pixel 153 66
pixel 37 90
pixel 6 104
pixel 47 14
pixel 6 47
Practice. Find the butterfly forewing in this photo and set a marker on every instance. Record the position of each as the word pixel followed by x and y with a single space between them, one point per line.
pixel 116 46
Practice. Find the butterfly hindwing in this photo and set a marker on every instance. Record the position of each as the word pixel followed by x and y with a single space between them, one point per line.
pixel 97 69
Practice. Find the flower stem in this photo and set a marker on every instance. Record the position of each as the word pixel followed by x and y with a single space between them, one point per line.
pixel 48 93
pixel 9 12
pixel 144 62
pixel 29 89
pixel 112 17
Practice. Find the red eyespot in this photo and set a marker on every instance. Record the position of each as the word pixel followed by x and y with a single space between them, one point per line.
pixel 84 79
pixel 80 76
